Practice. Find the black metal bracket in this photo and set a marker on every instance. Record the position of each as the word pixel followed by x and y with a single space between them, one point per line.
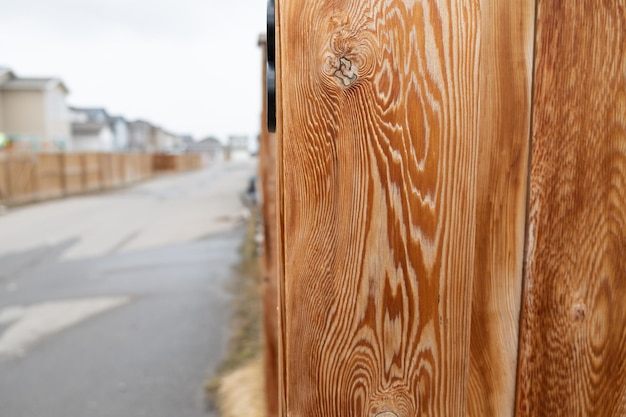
pixel 271 67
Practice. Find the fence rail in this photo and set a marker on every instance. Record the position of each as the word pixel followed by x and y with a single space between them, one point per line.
pixel 27 177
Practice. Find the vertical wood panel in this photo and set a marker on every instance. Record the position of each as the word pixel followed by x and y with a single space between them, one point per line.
pixel 380 142
pixel 92 172
pixel 73 173
pixel 4 177
pixel 267 177
pixel 49 175
pixel 573 341
pixel 507 29
pixel 22 167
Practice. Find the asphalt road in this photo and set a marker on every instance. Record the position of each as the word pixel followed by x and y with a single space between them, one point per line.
pixel 117 304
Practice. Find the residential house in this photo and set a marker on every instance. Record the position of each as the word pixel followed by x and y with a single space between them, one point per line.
pixel 121 133
pixel 33 111
pixel 210 148
pixel 141 136
pixel 145 136
pixel 168 141
pixel 91 130
pixel 238 147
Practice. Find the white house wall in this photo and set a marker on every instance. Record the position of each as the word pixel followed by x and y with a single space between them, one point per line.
pixel 58 118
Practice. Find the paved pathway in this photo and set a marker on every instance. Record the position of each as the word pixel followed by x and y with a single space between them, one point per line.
pixel 117 304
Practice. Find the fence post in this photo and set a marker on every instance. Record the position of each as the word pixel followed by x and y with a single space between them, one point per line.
pixel 267 181
pixel 403 133
pixel 573 333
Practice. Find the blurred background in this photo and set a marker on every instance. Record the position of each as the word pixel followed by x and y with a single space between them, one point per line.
pixel 190 67
pixel 129 226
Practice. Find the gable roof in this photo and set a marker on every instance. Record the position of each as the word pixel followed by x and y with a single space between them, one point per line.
pixel 34 84
pixel 91 114
pixel 5 75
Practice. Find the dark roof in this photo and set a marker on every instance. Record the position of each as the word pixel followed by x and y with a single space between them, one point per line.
pixel 87 128
pixel 92 114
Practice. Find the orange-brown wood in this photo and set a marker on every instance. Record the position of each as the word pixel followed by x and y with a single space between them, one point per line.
pixel 73 172
pixel 22 177
pixel 119 170
pixel 402 161
pixel 49 175
pixel 267 180
pixel 92 176
pixel 507 30
pixel 4 178
pixel 106 170
pixel 573 340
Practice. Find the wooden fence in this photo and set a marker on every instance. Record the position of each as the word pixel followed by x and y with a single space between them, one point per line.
pixel 27 177
pixel 450 218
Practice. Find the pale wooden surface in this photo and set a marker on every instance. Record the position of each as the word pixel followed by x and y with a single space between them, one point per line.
pixel 573 346
pixel 92 177
pixel 49 168
pixel 379 128
pixel 507 30
pixel 27 177
pixel 73 171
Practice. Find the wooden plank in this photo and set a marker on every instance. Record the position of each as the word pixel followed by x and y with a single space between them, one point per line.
pixel 118 170
pixel 130 168
pixel 22 167
pixel 92 176
pixel 4 177
pixel 379 130
pixel 73 172
pixel 267 182
pixel 106 170
pixel 507 30
pixel 49 175
pixel 573 340
pixel 146 166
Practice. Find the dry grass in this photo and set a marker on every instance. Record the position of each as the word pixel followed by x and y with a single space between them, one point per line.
pixel 241 392
pixel 238 388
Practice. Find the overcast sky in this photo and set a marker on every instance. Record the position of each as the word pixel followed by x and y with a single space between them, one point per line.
pixel 190 66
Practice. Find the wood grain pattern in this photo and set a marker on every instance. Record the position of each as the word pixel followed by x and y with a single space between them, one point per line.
pixel 379 126
pixel 573 340
pixel 507 30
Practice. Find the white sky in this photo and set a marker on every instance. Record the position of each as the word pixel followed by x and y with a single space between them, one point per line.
pixel 190 66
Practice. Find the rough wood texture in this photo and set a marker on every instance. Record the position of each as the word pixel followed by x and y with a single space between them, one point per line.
pixel 267 180
pixel 379 124
pixel 573 340
pixel 507 29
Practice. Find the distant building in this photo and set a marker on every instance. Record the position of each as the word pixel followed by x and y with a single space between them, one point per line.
pixel 91 130
pixel 141 136
pixel 144 136
pixel 210 148
pixel 121 133
pixel 33 112
pixel 167 141
pixel 238 147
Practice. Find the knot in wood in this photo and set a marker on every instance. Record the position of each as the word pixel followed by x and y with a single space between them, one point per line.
pixel 346 71
pixel 578 313
pixel 386 414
